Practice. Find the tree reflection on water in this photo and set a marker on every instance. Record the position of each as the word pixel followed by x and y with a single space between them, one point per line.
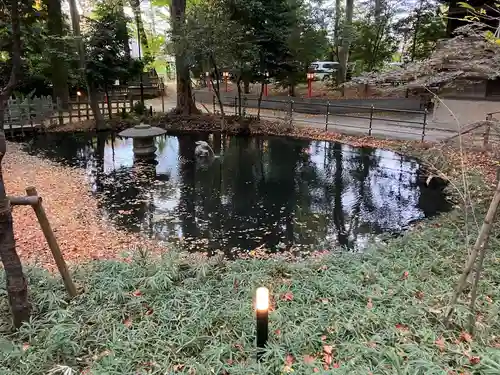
pixel 269 192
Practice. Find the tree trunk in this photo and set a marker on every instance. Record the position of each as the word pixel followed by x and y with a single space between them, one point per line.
pixel 108 102
pixel 337 29
pixel 346 41
pixel 59 71
pixel 17 287
pixel 185 102
pixel 94 105
pixel 260 98
pixel 136 8
pixel 91 89
pixel 246 85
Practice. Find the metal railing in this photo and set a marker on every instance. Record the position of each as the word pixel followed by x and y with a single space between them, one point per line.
pixel 367 120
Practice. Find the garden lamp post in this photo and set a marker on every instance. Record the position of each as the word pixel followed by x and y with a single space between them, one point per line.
pixel 310 78
pixel 266 82
pixel 226 77
pixel 262 318
pixel 207 75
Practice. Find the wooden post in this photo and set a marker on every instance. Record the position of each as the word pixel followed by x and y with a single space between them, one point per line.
pixel 87 109
pixel 52 242
pixel 60 113
pixel 30 118
pixel 162 97
pixel 79 111
pixel 70 109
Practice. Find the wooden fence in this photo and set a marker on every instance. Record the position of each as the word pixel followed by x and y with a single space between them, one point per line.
pixel 30 114
pixel 81 110
pixel 20 113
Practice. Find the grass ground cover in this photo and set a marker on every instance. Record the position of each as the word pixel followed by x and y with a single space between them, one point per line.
pixel 379 312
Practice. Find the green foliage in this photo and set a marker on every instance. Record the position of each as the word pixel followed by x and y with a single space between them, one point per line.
pixel 105 47
pixel 373 44
pixel 250 37
pixel 430 23
pixel 139 109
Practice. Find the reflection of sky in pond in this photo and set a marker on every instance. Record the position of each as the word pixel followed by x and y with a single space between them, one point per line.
pixel 264 191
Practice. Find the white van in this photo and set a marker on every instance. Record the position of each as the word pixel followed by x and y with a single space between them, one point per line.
pixel 324 70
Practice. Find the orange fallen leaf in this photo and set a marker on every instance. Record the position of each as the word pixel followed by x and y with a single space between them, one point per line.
pixel 179 367
pixel 405 275
pixel 402 327
pixel 440 343
pixel 369 305
pixel 26 346
pixel 127 322
pixel 328 349
pixel 336 365
pixel 474 360
pixel 137 293
pixel 289 359
pixel 315 369
pixel 288 296
pixel 277 332
pixel 327 359
pixel 323 338
pixel 465 337
pixel 309 359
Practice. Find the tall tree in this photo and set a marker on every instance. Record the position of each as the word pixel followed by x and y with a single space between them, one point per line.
pixel 105 40
pixel 17 288
pixel 346 41
pixel 59 71
pixel 136 9
pixel 91 87
pixel 185 102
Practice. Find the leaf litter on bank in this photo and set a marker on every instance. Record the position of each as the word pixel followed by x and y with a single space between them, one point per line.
pixel 73 214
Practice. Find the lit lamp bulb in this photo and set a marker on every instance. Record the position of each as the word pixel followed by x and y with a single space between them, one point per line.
pixel 262 299
pixel 78 93
pixel 262 315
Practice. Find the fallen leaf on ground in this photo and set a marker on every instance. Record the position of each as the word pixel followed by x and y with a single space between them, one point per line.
pixel 309 359
pixel 288 296
pixel 369 305
pixel 465 337
pixel 440 343
pixel 328 349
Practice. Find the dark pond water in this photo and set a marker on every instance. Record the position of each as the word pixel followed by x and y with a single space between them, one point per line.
pixel 267 192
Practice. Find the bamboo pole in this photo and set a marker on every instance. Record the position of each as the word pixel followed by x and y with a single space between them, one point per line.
pixel 479 247
pixel 52 242
pixel 25 201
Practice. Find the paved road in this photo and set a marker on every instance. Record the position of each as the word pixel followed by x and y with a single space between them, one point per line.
pixel 383 127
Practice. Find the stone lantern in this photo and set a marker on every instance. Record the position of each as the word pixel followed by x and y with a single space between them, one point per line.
pixel 143 139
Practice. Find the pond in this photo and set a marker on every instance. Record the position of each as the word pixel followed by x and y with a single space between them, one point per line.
pixel 262 192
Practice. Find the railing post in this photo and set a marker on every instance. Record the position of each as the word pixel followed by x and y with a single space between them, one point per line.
pixel 59 112
pixel 235 106
pixel 424 124
pixel 371 121
pixel 213 102
pixel 327 115
pixel 291 112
